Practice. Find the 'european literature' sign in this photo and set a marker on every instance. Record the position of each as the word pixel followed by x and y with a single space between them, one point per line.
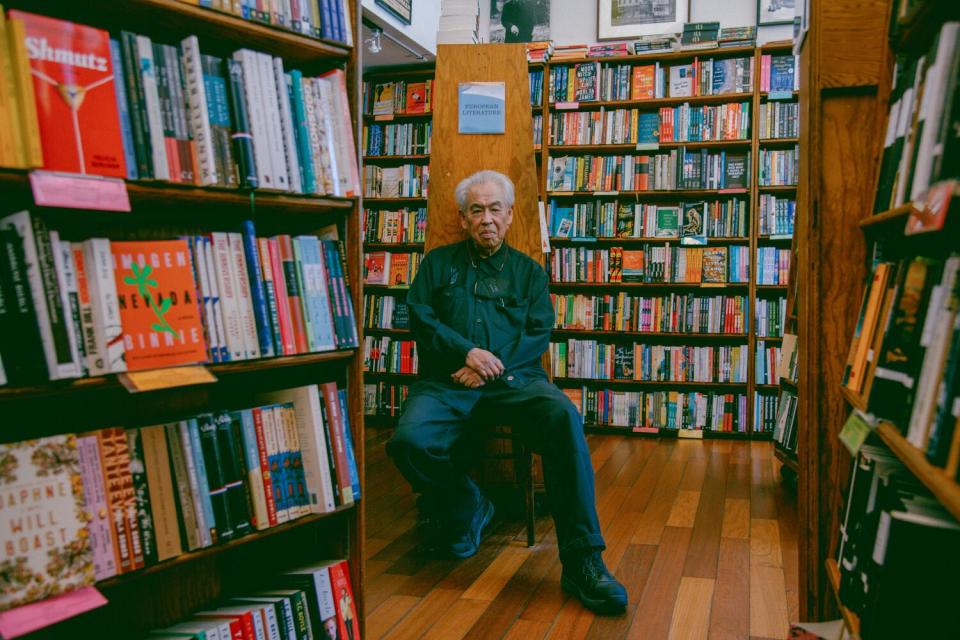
pixel 481 107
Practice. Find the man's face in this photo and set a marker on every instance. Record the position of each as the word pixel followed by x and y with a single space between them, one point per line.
pixel 487 217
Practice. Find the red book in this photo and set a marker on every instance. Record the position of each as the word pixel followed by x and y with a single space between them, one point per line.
pixel 158 310
pixel 335 427
pixel 295 307
pixel 272 255
pixel 73 84
pixel 238 624
pixel 343 600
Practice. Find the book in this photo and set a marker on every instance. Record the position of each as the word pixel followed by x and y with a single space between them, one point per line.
pixel 158 308
pixel 42 481
pixel 681 81
pixel 75 98
pixel 347 618
pixel 715 264
pixel 20 340
pixel 736 170
pixel 693 229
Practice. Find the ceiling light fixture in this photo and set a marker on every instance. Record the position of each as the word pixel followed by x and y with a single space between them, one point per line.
pixel 373 42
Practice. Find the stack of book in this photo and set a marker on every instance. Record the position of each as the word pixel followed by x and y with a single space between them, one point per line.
pixel 385 312
pixel 674 313
pixel 97 306
pixel 700 35
pixel 405 181
pixel 609 50
pixel 660 42
pixel 737 37
pixel 397 98
pixel 459 22
pixel 539 51
pixel 393 269
pixel 570 52
pixel 177 115
pixel 388 355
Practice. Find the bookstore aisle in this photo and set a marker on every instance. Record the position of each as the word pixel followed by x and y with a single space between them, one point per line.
pixel 702 533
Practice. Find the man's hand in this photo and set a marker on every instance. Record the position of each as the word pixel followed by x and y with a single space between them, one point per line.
pixel 484 363
pixel 468 378
pixel 514 29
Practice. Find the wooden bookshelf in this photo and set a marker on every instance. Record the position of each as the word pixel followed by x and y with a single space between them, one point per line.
pixel 395 201
pixel 631 149
pixel 649 334
pixel 888 220
pixel 788 458
pixel 167 592
pixel 707 287
pixel 631 240
pixel 652 103
pixel 775 141
pixel 789 188
pixel 673 194
pixel 393 246
pixel 563 381
pixel 850 619
pixel 410 158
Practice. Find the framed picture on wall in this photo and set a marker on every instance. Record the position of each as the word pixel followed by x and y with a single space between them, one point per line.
pixel 775 12
pixel 620 19
pixel 402 9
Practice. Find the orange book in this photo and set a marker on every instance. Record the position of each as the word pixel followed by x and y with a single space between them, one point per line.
pixel 643 79
pixel 158 304
pixel 416 98
pixel 864 333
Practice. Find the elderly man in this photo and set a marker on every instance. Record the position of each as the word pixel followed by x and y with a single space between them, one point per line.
pixel 481 315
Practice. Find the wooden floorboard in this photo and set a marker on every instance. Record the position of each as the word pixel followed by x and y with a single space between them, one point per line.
pixel 702 533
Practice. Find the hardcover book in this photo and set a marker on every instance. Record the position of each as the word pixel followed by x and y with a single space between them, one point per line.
pixel 158 306
pixel 40 482
pixel 668 222
pixel 693 230
pixel 73 82
pixel 715 264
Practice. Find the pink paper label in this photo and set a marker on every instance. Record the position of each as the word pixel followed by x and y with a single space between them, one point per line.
pixel 79 192
pixel 566 105
pixel 732 191
pixel 29 618
pixel 646 430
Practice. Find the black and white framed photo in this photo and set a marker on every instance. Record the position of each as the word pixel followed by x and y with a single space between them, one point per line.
pixel 771 12
pixel 401 9
pixel 519 20
pixel 620 19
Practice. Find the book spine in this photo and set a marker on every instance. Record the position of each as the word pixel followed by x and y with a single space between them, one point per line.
pixel 297 489
pixel 283 299
pixel 193 484
pixel 115 457
pixel 292 283
pixel 252 97
pixel 287 125
pixel 139 124
pixel 229 300
pixel 87 336
pixel 351 337
pixel 264 462
pixel 102 537
pixel 260 517
pixel 241 282
pixel 271 111
pixel 151 96
pixel 316 138
pixel 270 294
pixel 72 299
pixel 123 109
pixel 197 100
pixel 304 152
pixel 203 495
pixel 58 274
pixel 203 298
pixel 141 494
pixel 167 117
pixel 230 444
pixel 242 136
pixel 315 272
pixel 307 297
pixel 210 263
pixel 187 512
pixel 271 439
pixel 207 434
pixel 163 506
pixel 260 298
pixel 106 306
pixel 348 444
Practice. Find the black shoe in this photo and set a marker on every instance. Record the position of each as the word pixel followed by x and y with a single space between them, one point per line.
pixel 467 544
pixel 587 578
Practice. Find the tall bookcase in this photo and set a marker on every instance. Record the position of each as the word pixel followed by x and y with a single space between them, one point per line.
pixel 167 592
pixel 752 240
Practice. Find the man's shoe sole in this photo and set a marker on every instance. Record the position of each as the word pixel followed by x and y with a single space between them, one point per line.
pixel 603 607
pixel 485 520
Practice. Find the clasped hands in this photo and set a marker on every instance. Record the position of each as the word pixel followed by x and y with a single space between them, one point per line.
pixel 481 367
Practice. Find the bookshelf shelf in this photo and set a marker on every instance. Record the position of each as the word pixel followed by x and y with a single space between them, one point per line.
pixel 775 141
pixel 393 246
pixel 775 238
pixel 650 334
pixel 887 221
pixel 386 287
pixel 849 617
pixel 766 387
pixel 618 241
pixel 649 285
pixel 772 287
pixel 169 194
pixel 672 56
pixel 118 582
pixel 578 382
pixel 769 338
pixel 653 103
pixel 601 429
pixel 777 46
pixel 640 195
pixel 560 149
pixel 415 157
pixel 369 118
pixel 783 188
pixel 398 200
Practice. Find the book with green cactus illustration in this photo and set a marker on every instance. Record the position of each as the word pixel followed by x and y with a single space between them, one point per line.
pixel 157 296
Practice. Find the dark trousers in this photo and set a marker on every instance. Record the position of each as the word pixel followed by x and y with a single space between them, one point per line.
pixel 436 415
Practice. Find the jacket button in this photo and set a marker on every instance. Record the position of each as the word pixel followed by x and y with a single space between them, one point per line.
pixel 510 378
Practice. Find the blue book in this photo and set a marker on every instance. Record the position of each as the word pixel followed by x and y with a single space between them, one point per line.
pixel 126 128
pixel 337 12
pixel 308 175
pixel 781 73
pixel 316 293
pixel 255 276
pixel 648 128
pixel 203 483
pixel 326 20
pixel 347 328
pixel 251 457
pixel 348 443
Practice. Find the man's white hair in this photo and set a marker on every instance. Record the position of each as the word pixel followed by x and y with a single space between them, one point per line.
pixel 481 177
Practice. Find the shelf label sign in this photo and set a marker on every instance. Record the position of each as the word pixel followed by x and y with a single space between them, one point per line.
pixel 855 432
pixel 780 95
pixel 74 191
pixel 43 613
pixel 482 107
pixel 169 378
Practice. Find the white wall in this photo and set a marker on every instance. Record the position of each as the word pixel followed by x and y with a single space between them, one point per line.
pixel 421 34
pixel 575 21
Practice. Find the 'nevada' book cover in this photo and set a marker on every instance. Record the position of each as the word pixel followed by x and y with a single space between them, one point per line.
pixel 157 296
pixel 43 525
pixel 73 82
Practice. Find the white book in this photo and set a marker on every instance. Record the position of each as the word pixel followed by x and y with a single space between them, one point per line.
pixel 275 445
pixel 274 623
pixel 347 20
pixel 148 76
pixel 457 36
pixel 56 351
pixel 216 303
pixel 241 278
pixel 318 145
pixel 98 263
pixel 905 131
pixel 322 586
pixel 258 127
pixel 229 304
pixel 328 147
pixel 64 270
pixel 259 629
pixel 271 109
pixel 72 292
pixel 198 110
pixel 286 121
pixel 341 113
pixel 206 300
pixel 203 527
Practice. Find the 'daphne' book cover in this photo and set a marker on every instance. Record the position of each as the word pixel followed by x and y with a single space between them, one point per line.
pixel 158 304
pixel 43 525
pixel 73 83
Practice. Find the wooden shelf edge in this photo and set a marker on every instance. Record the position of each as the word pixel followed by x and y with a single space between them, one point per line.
pixel 900 214
pixel 849 617
pixel 190 556
pixel 946 489
pixel 414 156
pixel 853 399
pixel 788 458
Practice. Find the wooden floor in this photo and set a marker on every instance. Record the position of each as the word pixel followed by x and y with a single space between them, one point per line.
pixel 702 533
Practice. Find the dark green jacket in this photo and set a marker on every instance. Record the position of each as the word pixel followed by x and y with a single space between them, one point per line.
pixel 451 313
